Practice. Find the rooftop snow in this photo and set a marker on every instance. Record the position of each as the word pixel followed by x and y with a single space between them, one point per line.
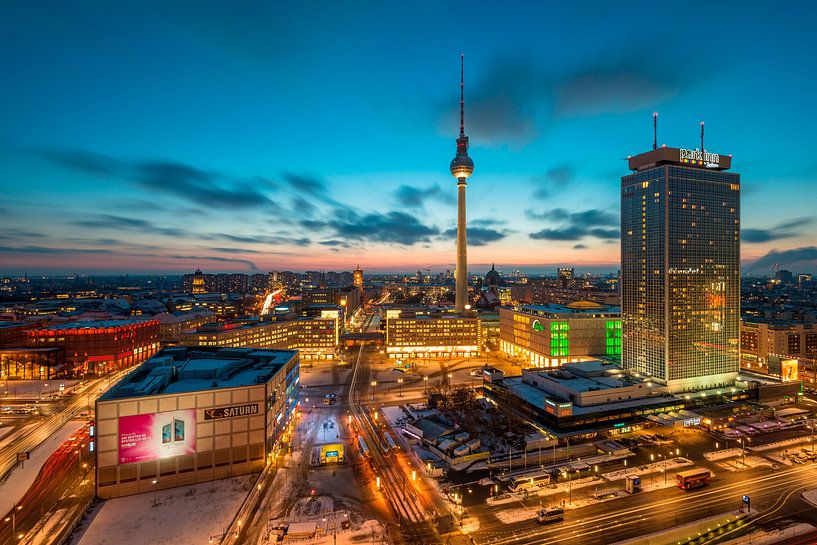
pixel 180 370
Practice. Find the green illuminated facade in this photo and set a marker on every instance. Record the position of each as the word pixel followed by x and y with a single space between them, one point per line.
pixel 552 335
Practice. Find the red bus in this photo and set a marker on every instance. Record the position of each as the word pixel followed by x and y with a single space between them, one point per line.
pixel 693 478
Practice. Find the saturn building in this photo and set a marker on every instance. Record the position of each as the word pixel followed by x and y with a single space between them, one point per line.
pixel 189 415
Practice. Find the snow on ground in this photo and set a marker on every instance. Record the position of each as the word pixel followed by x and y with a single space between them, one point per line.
pixel 654 467
pixel 810 496
pixel 779 444
pixel 767 537
pixel 370 531
pixel 750 462
pixel 14 436
pixel 19 480
pixel 723 454
pixel 28 389
pixel 42 534
pixel 187 515
pixel 4 430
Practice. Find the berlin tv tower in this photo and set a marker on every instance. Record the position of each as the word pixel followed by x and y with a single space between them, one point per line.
pixel 461 168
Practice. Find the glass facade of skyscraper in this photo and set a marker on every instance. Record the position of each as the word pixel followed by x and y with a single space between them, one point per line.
pixel 680 273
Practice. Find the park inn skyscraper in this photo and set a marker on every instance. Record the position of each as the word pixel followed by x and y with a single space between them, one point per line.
pixel 680 268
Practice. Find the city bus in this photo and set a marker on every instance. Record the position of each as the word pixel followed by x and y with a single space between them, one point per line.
pixel 693 478
pixel 550 514
pixel 530 480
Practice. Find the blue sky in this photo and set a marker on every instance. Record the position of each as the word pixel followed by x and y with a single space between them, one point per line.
pixel 255 136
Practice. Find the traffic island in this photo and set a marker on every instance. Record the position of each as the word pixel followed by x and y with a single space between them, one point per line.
pixel 697 531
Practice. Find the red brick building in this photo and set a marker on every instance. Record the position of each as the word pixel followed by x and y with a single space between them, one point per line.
pixel 102 346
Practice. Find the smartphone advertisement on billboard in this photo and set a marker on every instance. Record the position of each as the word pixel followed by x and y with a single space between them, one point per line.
pixel 145 437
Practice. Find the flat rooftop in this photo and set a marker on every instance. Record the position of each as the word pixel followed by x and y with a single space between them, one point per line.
pixel 96 324
pixel 559 311
pixel 536 397
pixel 180 370
pixel 695 158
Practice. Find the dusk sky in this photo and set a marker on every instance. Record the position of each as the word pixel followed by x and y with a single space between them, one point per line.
pixel 251 136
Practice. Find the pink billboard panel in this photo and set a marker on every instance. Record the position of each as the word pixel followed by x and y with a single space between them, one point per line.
pixel 145 437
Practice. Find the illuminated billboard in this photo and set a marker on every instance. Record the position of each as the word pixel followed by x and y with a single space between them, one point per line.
pixel 146 437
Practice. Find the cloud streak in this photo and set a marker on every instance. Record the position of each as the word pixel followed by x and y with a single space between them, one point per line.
pixel 575 226
pixel 788 229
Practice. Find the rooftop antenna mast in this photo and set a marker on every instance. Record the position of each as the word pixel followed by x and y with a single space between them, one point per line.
pixel 654 130
pixel 702 136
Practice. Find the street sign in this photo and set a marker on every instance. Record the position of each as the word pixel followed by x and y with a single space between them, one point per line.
pixel 746 500
pixel 22 456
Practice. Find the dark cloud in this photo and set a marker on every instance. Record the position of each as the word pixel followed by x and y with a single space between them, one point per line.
pixel 415 197
pixel 235 251
pixel 783 230
pixel 805 255
pixel 501 105
pixel 313 186
pixel 566 233
pixel 301 207
pixel 593 216
pixel 88 162
pixel 490 222
pixel 477 236
pixel 579 246
pixel 250 265
pixel 553 182
pixel 202 187
pixel 393 227
pixel 516 97
pixel 575 225
pixel 258 239
pixel 110 221
pixel 334 243
pixel 48 250
pixel 614 90
pixel 11 233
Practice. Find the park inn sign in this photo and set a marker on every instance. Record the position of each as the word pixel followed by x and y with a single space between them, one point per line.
pixel 699 157
pixel 231 412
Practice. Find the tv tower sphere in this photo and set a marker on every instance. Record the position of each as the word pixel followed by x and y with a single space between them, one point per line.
pixel 461 165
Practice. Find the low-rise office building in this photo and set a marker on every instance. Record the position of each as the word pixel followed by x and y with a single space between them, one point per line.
pixel 99 347
pixel 762 339
pixel 313 337
pixel 190 415
pixel 439 335
pixel 552 335
pixel 581 398
pixel 173 324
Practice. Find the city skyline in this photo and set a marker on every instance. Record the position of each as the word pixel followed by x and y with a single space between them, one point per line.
pixel 198 146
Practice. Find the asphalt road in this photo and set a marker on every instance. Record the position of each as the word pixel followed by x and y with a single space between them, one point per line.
pixel 58 486
pixel 774 494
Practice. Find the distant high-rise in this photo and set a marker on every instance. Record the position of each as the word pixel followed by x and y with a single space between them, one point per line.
pixel 680 268
pixel 198 283
pixel 358 278
pixel 461 168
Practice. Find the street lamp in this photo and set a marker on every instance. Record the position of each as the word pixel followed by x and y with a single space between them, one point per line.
pixel 13 519
pixel 155 502
pixel 374 383
pixel 400 382
pixel 425 384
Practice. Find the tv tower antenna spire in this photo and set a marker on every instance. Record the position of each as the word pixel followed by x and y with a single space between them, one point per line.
pixel 702 136
pixel 462 95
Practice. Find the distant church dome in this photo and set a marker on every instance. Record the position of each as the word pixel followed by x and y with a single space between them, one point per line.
pixel 492 278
